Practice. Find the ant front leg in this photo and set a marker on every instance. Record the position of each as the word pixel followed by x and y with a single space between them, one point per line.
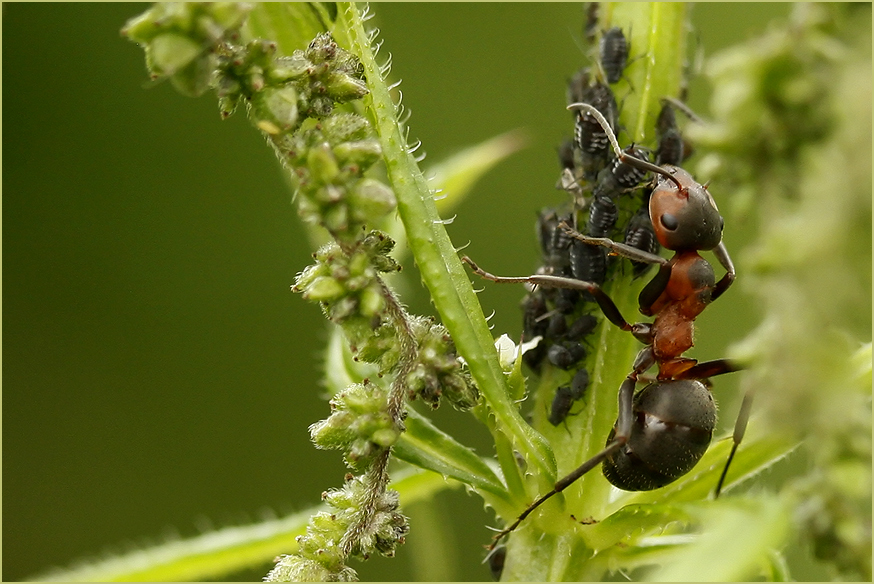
pixel 721 254
pixel 616 248
pixel 608 307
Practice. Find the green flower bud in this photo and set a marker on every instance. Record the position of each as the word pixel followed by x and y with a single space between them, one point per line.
pixel 196 77
pixel 371 302
pixel 294 568
pixel 320 106
pixel 363 153
pixel 181 40
pixel 322 49
pixel 326 194
pixel 359 424
pixel 169 52
pixel 380 347
pixel 260 53
pixel 385 437
pixel 322 534
pixel 310 273
pixel 344 87
pixel 324 289
pixel 371 200
pixel 322 164
pixel 228 105
pixel 229 15
pixel 289 68
pixel 145 27
pixel 345 127
pixel 336 220
pixel 343 309
pixel 276 105
pixel 387 529
pixel 439 372
pixel 255 81
pixel 333 433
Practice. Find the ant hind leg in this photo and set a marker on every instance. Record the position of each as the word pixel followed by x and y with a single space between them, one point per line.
pixel 740 427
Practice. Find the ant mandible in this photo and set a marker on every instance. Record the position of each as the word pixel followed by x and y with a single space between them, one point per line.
pixel 664 430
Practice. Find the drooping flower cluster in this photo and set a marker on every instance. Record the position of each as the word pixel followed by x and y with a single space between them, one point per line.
pixel 305 105
pixel 295 101
pixel 359 424
pixel 320 559
pixel 182 40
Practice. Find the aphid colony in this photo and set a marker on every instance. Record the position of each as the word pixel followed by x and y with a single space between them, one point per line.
pixel 597 182
pixel 663 430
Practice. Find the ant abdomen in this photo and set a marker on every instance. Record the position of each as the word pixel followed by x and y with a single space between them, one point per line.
pixel 673 424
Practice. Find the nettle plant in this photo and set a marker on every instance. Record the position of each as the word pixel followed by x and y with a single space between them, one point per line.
pixel 790 134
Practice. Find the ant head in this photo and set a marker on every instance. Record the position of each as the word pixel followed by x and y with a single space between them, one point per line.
pixel 683 213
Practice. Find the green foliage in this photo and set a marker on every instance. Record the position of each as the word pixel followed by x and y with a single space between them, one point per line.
pixel 810 87
pixel 784 127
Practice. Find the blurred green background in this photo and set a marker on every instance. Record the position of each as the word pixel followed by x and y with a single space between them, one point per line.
pixel 158 374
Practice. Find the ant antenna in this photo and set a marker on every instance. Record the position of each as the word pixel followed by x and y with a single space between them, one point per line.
pixel 601 120
pixel 623 157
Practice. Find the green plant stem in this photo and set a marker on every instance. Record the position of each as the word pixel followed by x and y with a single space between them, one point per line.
pixel 656 33
pixel 440 267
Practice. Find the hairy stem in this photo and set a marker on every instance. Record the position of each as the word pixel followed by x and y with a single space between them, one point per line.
pixel 441 270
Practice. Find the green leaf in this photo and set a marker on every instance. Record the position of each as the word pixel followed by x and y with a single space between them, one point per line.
pixel 734 545
pixel 755 455
pixel 224 551
pixel 630 523
pixel 290 24
pixel 426 446
pixel 454 177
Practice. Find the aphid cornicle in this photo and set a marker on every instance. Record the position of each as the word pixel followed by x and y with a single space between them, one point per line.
pixel 662 432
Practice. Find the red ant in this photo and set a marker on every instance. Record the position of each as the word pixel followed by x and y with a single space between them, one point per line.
pixel 664 430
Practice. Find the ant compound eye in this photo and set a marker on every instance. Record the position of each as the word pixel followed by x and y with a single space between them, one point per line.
pixel 669 221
